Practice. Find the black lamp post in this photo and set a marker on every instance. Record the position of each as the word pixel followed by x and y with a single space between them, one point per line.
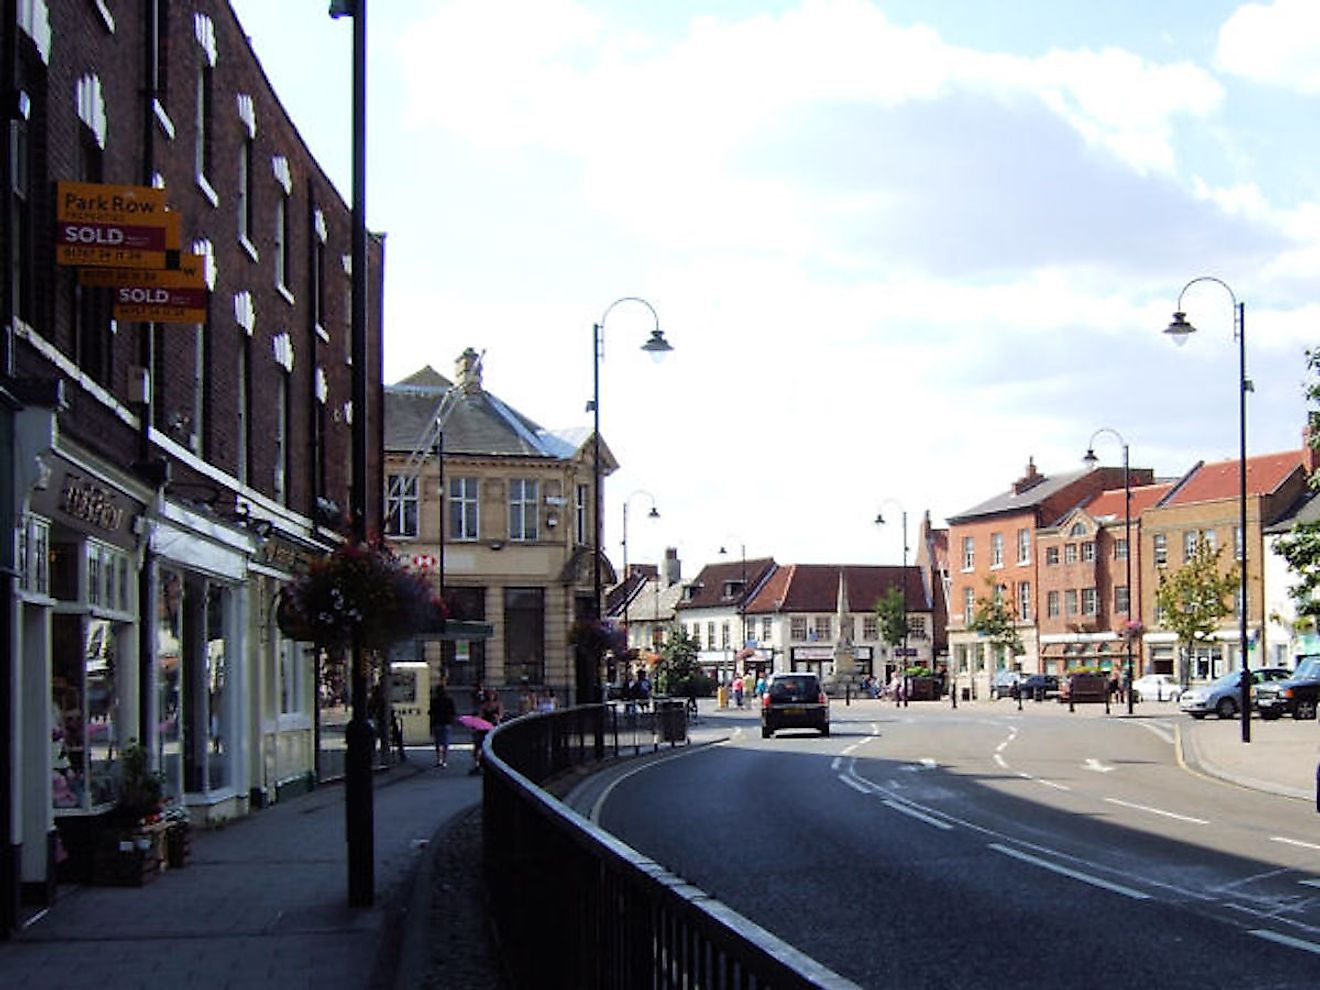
pixel 627 596
pixel 1091 460
pixel 742 602
pixel 903 664
pixel 657 347
pixel 1179 329
pixel 358 811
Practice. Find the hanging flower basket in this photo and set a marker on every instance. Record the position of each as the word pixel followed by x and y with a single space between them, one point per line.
pixel 1131 631
pixel 595 637
pixel 360 588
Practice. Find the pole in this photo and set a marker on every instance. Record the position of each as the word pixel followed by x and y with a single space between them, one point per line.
pixel 627 635
pixel 1242 515
pixel 1127 536
pixel 907 688
pixel 359 815
pixel 596 527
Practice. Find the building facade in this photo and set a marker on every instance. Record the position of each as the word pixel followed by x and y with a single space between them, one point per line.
pixel 168 469
pixel 512 540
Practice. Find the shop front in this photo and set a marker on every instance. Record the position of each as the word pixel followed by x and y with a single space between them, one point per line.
pixel 78 553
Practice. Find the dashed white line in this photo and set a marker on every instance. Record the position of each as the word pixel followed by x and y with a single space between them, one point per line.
pixel 918 815
pixel 1073 874
pixel 1288 940
pixel 1309 883
pixel 1158 811
pixel 1293 842
pixel 859 788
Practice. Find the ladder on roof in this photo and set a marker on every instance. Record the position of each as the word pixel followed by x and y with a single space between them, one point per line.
pixel 426 442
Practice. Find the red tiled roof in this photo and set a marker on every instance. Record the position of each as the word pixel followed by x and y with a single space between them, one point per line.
pixel 815 587
pixel 1212 482
pixel 1110 502
pixel 707 589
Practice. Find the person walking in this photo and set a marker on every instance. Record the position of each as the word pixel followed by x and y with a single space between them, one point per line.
pixel 442 720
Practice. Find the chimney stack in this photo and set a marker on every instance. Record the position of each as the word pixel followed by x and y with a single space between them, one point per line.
pixel 467 372
pixel 672 571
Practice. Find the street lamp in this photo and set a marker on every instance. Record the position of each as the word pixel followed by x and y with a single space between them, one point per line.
pixel 1091 460
pixel 880 521
pixel 657 347
pixel 742 600
pixel 653 514
pixel 359 815
pixel 1179 330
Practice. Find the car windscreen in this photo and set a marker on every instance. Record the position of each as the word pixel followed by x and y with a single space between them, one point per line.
pixel 794 689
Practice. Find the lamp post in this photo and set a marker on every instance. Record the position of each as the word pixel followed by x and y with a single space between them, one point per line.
pixel 359 823
pixel 1091 460
pixel 1179 329
pixel 903 665
pixel 653 514
pixel 657 347
pixel 742 597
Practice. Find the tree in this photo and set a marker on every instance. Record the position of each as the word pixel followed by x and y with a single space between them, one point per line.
pixel 996 618
pixel 678 672
pixel 1193 599
pixel 891 614
pixel 1301 547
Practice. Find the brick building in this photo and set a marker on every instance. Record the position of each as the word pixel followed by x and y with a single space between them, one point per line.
pixel 164 477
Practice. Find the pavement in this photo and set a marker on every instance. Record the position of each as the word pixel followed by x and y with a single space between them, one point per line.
pixel 262 902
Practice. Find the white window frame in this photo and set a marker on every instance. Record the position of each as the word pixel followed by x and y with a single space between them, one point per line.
pixel 402 506
pixel 1090 602
pixel 996 549
pixel 1024 600
pixel 1024 546
pixel 464 509
pixel 524 509
pixel 969 553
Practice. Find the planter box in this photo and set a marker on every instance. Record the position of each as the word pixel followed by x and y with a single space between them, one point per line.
pixel 178 845
pixel 923 689
pixel 128 857
pixel 1085 689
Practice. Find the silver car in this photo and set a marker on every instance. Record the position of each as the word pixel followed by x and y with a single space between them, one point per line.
pixel 1223 697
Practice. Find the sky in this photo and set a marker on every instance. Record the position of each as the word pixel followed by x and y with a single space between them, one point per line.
pixel 899 247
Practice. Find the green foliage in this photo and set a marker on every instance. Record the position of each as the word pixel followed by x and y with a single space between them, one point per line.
pixel 141 789
pixel 891 614
pixel 1301 547
pixel 1194 598
pixel 678 672
pixel 996 618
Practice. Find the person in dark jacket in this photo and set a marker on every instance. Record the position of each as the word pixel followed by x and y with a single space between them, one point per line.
pixel 442 719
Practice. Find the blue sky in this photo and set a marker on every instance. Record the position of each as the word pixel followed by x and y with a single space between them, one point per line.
pixel 899 246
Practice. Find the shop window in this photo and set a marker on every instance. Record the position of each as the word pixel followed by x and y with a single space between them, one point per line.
pixel 169 694
pixel 524 634
pixel 84 710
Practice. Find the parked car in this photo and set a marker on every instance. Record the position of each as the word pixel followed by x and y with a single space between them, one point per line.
pixel 1296 694
pixel 1038 686
pixel 794 701
pixel 1156 687
pixel 1003 683
pixel 1223 696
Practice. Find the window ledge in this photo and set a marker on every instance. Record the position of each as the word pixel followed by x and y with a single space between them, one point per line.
pixel 323 334
pixel 163 119
pixel 207 191
pixel 288 296
pixel 248 247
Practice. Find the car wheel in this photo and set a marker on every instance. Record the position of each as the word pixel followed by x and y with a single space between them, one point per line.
pixel 766 733
pixel 1270 716
pixel 825 732
pixel 1304 709
pixel 1226 708
pixel 1197 715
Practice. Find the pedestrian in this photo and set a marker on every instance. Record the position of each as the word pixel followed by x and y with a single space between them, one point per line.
pixel 738 691
pixel 442 719
pixel 492 711
pixel 547 701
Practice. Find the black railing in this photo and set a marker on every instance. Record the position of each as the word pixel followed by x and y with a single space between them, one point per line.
pixel 574 907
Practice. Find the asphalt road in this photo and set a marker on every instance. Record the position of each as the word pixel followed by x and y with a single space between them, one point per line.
pixel 925 847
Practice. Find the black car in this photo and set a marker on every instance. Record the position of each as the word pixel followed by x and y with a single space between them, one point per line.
pixel 1037 687
pixel 794 701
pixel 1297 695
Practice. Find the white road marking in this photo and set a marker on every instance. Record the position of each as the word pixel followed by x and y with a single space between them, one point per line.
pixel 914 813
pixel 1158 811
pixel 1158 729
pixel 859 788
pixel 1093 764
pixel 1288 940
pixel 836 763
pixel 1309 883
pixel 1001 761
pixel 1073 874
pixel 1050 783
pixel 1293 842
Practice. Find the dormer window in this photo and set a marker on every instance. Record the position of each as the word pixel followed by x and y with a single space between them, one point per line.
pixel 732 589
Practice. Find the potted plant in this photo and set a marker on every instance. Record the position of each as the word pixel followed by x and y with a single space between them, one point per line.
pixel 130 849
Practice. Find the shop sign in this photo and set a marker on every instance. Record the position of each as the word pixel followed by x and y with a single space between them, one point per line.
pixel 90 503
pixel 813 653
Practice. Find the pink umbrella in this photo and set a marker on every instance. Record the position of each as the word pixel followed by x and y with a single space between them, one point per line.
pixel 474 722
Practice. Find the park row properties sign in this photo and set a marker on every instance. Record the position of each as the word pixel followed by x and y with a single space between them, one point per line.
pixel 126 239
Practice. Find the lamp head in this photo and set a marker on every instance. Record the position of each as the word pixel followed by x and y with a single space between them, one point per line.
pixel 1180 329
pixel 657 346
pixel 654 513
pixel 879 518
pixel 723 551
pixel 1090 460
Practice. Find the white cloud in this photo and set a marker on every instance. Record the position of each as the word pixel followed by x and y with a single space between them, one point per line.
pixel 1277 44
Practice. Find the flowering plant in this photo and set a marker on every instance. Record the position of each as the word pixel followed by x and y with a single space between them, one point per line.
pixel 1131 630
pixel 360 588
pixel 596 637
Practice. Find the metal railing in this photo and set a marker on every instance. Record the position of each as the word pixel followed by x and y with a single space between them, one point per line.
pixel 576 908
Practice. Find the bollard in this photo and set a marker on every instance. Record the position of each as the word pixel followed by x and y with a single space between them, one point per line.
pixel 847 695
pixel 1317 787
pixel 1019 693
